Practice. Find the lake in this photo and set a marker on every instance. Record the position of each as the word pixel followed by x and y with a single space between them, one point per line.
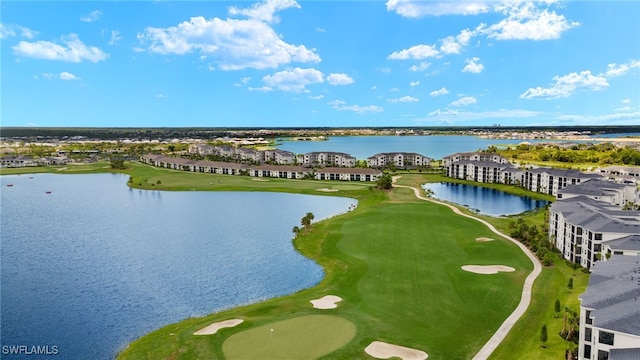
pixel 94 264
pixel 487 201
pixel 362 147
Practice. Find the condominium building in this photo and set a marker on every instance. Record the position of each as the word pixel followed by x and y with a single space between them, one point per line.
pixel 587 230
pixel 398 159
pixel 610 311
pixel 549 181
pixel 473 156
pixel 619 194
pixel 328 158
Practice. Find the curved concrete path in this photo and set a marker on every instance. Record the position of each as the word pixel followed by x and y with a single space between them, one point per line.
pixel 525 299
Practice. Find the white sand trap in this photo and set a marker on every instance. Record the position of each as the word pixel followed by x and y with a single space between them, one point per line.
pixel 258 179
pixel 382 350
pixel 326 302
pixel 327 190
pixel 484 239
pixel 487 269
pixel 213 328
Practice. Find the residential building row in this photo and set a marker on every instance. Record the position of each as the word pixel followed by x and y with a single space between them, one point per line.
pixel 493 168
pixel 263 170
pixel 24 161
pixel 312 159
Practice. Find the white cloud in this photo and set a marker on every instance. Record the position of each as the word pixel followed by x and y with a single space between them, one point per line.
pixel 342 106
pixel 464 101
pixel 293 79
pixel 317 97
pixel 263 89
pixel 62 76
pixel 339 79
pixel 233 43
pixel 417 52
pixel 403 99
pixel 115 37
pixel 626 101
pixel 320 30
pixel 420 8
pixel 614 70
pixel 92 16
pixel 624 108
pixel 414 83
pixel 630 118
pixel 442 91
pixel 265 10
pixel 453 45
pixel 527 20
pixel 567 85
pixel 12 30
pixel 161 96
pixel 473 66
pixel 74 51
pixel 420 67
pixel 68 76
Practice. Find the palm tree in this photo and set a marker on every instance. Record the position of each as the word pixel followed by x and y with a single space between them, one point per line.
pixel 296 231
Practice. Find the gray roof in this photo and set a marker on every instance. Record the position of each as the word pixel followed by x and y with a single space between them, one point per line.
pixel 565 173
pixel 363 171
pixel 613 294
pixel 491 164
pixel 593 187
pixel 597 216
pixel 625 354
pixel 631 242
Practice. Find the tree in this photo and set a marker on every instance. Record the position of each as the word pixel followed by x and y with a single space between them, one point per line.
pixel 570 284
pixel 296 231
pixel 557 308
pixel 543 335
pixel 306 220
pixel 384 182
pixel 117 163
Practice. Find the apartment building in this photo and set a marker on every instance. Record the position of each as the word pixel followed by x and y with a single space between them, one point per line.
pixel 398 159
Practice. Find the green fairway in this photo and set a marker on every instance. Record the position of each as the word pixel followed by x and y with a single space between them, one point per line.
pixel 304 337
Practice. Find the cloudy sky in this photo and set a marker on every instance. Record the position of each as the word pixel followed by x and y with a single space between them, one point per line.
pixel 282 63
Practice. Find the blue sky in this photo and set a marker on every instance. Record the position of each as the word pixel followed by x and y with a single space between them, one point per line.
pixel 282 63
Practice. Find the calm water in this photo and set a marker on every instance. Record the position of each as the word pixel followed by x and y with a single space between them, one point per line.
pixel 488 201
pixel 94 265
pixel 362 147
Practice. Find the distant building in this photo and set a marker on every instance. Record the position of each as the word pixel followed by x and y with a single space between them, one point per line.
pixel 610 311
pixel 326 159
pixel 279 171
pixel 17 161
pixel 398 159
pixel 473 156
pixel 348 174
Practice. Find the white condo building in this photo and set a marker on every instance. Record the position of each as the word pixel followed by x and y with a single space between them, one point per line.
pixel 610 311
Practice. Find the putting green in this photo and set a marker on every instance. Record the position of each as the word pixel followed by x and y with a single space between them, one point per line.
pixel 303 337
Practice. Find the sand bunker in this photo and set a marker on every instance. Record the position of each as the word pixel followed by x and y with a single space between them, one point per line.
pixel 259 179
pixel 487 269
pixel 382 350
pixel 484 239
pixel 213 328
pixel 326 190
pixel 326 302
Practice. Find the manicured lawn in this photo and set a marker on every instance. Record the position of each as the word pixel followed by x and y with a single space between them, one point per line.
pixel 303 337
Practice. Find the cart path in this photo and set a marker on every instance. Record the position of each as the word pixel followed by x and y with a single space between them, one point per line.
pixel 525 299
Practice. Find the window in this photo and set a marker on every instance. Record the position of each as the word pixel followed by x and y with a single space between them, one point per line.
pixel 587 351
pixel 587 334
pixel 605 338
pixel 598 236
pixel 588 318
pixel 603 355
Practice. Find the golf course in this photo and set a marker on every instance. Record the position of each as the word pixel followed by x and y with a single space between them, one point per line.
pixel 396 263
